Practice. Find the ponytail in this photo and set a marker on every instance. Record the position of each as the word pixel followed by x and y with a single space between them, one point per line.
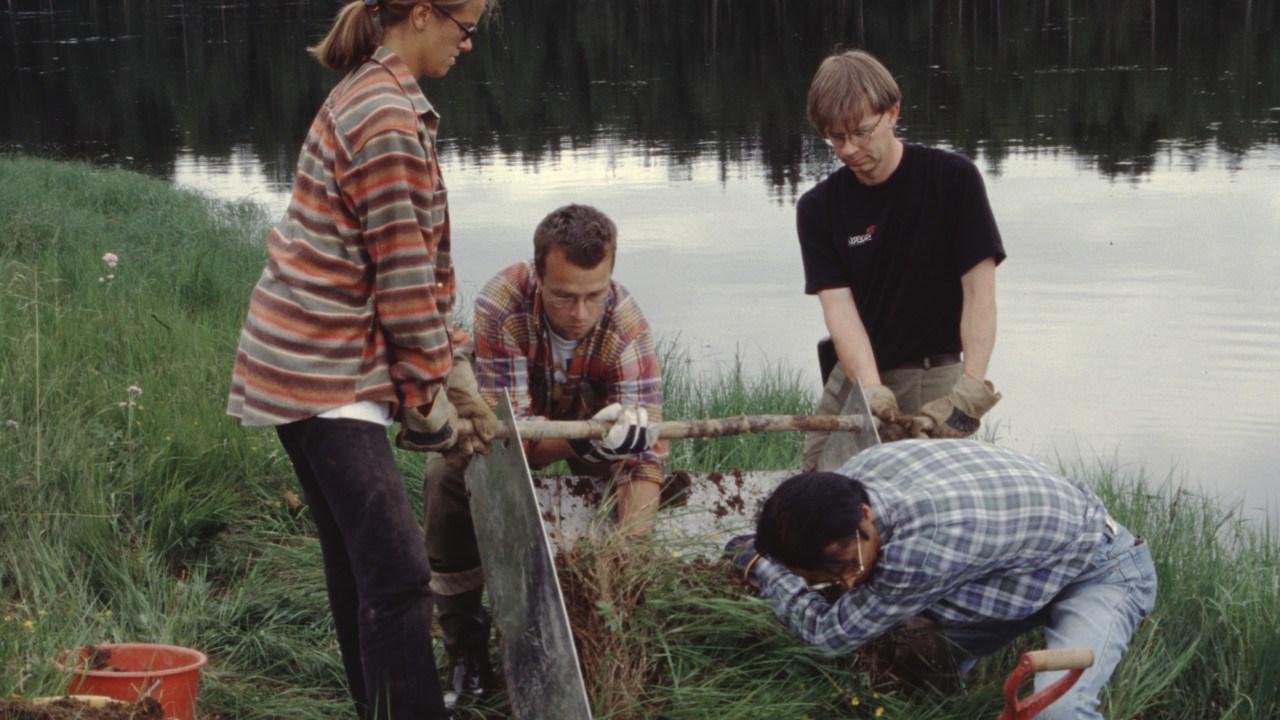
pixel 357 31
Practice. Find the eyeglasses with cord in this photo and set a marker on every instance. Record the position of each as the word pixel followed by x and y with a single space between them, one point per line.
pixel 469 32
pixel 858 138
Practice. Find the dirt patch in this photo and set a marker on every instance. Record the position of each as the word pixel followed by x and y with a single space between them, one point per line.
pixel 675 489
pixel 72 709
pixel 584 488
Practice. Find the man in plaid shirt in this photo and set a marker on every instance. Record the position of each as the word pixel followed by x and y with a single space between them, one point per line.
pixel 983 542
pixel 567 343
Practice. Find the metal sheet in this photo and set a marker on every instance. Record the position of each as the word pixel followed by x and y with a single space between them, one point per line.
pixel 703 511
pixel 843 445
pixel 544 679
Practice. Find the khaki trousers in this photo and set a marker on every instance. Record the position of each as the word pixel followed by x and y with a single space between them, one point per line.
pixel 913 387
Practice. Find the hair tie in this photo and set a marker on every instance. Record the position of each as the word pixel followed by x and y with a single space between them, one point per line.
pixel 373 7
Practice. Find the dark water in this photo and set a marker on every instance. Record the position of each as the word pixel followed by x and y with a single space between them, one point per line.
pixel 1131 151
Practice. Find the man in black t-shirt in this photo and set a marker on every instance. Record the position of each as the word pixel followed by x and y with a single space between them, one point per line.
pixel 900 246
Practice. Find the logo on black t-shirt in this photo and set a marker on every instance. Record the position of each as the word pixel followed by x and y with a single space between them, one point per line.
pixel 856 240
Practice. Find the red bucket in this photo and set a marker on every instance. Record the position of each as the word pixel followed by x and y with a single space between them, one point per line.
pixel 131 671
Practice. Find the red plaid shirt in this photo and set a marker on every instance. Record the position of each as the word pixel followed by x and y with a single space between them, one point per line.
pixel 616 362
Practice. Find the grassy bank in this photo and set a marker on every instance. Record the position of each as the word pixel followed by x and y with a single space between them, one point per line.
pixel 133 509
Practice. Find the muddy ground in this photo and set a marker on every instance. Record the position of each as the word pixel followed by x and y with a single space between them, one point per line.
pixel 71 709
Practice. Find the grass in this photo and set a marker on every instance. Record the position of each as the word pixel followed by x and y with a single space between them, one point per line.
pixel 134 509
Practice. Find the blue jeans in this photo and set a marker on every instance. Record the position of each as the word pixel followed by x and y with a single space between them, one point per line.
pixel 1099 610
pixel 375 565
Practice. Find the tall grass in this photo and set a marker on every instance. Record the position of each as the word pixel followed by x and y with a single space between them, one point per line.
pixel 773 391
pixel 151 516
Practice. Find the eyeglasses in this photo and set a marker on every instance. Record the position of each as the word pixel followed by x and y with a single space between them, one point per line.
pixel 859 138
pixel 469 32
pixel 839 581
pixel 594 301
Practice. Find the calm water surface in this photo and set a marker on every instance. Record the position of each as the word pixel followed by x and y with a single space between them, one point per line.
pixel 1131 152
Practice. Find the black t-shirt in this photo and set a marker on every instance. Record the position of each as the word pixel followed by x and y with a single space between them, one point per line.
pixel 901 246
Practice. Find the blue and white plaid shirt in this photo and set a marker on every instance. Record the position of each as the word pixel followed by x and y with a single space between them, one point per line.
pixel 969 533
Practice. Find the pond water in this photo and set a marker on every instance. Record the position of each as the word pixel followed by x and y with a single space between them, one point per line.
pixel 1131 151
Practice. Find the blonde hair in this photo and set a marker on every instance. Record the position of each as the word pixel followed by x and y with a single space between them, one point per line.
pixel 848 86
pixel 354 35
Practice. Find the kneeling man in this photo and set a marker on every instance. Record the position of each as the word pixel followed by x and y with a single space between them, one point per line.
pixel 567 343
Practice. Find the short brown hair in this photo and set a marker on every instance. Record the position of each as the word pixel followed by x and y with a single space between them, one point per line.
pixel 585 235
pixel 848 86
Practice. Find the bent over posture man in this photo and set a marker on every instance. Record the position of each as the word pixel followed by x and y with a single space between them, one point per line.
pixel 900 246
pixel 567 343
pixel 986 543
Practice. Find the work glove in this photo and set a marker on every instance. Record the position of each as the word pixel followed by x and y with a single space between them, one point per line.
pixel 742 556
pixel 957 415
pixel 428 428
pixel 883 403
pixel 463 391
pixel 891 424
pixel 631 433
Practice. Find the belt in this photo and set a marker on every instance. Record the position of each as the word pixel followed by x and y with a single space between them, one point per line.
pixel 932 361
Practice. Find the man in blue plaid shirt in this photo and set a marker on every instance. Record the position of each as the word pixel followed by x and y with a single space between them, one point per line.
pixel 983 542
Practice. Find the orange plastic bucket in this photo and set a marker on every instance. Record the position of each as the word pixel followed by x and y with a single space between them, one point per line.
pixel 132 671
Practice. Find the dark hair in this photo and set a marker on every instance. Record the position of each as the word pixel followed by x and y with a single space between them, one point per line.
pixel 805 514
pixel 354 36
pixel 585 235
pixel 848 85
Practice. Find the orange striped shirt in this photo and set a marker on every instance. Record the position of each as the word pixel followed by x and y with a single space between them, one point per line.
pixel 356 299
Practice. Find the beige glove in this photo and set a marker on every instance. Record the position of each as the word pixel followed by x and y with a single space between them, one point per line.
pixel 429 432
pixel 958 415
pixel 464 393
pixel 891 424
pixel 883 403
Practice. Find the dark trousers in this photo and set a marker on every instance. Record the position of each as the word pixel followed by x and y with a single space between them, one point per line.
pixel 375 565
pixel 455 559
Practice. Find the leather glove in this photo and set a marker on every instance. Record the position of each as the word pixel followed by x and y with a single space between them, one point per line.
pixel 891 424
pixel 463 391
pixel 631 433
pixel 957 415
pixel 882 402
pixel 428 428
pixel 741 554
pixel 906 427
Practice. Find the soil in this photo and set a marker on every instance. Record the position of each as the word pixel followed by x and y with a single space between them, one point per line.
pixel 71 709
pixel 674 490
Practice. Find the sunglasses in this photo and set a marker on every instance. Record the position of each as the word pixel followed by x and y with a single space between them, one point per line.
pixel 469 32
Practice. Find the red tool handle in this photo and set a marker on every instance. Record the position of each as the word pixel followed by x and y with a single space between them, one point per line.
pixel 1075 660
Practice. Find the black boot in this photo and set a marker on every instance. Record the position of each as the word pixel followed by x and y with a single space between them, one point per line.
pixel 465 626
pixel 471 681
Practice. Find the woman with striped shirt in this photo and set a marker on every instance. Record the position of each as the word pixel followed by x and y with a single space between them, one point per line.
pixel 350 328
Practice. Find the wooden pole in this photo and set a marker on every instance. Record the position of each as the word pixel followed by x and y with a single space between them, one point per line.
pixel 677 429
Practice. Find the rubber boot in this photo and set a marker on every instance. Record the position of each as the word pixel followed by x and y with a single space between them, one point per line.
pixel 465 625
